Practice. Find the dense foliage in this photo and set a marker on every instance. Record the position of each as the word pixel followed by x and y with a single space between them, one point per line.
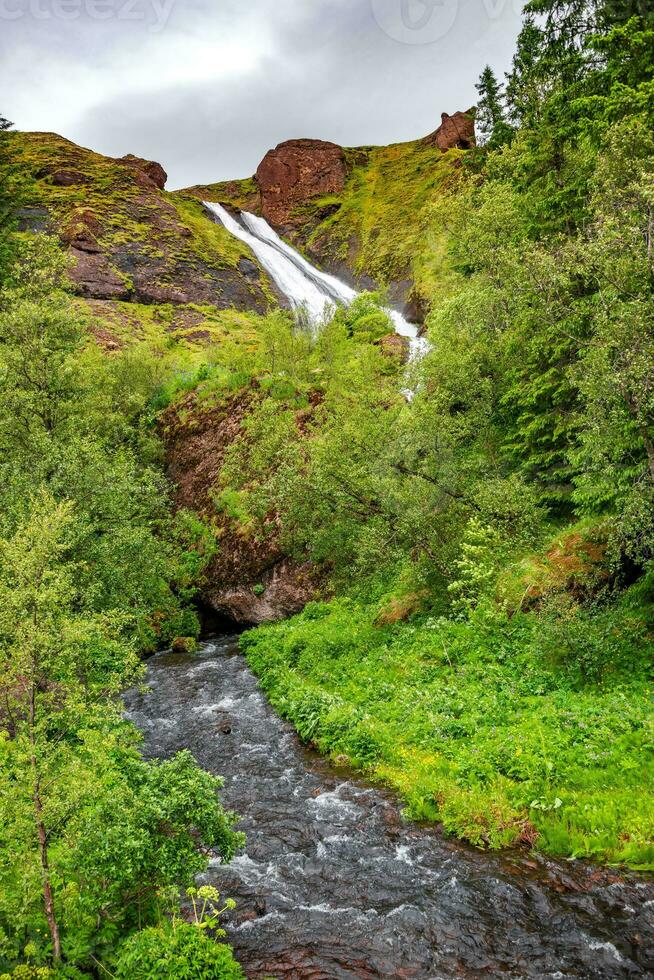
pixel 95 570
pixel 514 703
pixel 483 549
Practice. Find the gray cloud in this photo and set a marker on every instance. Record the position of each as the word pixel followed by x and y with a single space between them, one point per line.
pixel 215 87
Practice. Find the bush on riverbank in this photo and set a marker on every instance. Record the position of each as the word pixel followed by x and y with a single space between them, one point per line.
pixel 176 950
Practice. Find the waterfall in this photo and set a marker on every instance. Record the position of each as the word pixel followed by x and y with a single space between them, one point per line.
pixel 305 286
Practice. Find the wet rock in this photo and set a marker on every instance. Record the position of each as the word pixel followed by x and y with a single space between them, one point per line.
pixel 184 644
pixel 457 130
pixel 248 269
pixel 394 346
pixel 294 173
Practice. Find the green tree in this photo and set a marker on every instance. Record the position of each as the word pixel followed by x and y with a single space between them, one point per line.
pixel 524 88
pixel 9 185
pixel 490 120
pixel 88 826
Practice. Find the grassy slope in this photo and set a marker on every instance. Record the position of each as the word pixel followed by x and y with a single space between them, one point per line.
pixel 125 211
pixel 381 226
pixel 491 726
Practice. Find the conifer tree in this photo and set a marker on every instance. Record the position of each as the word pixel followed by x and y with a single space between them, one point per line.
pixel 492 126
pixel 523 86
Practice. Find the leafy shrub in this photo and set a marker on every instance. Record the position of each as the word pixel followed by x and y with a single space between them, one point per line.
pixel 176 951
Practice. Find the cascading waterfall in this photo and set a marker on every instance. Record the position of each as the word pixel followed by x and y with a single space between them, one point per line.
pixel 305 286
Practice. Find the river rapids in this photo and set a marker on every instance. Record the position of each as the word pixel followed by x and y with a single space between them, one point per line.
pixel 335 884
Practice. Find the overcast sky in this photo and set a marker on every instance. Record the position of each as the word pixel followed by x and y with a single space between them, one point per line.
pixel 207 86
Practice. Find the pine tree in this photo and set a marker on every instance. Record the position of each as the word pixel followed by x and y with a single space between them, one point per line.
pixel 490 120
pixel 524 88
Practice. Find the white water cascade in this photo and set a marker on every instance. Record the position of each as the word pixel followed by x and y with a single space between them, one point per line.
pixel 305 286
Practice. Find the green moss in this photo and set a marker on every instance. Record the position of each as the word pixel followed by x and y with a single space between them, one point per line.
pixel 193 328
pixel 382 224
pixel 84 190
pixel 241 194
pixel 209 240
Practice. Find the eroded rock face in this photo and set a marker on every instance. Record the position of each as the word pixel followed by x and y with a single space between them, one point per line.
pixel 95 277
pixel 152 170
pixel 296 171
pixel 130 240
pixel 250 579
pixel 457 130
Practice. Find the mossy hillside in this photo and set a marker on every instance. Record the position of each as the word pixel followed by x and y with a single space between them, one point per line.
pixel 83 192
pixel 382 225
pixel 108 190
pixel 167 326
pixel 189 347
pixel 241 194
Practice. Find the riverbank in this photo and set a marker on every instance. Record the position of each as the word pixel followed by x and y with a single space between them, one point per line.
pixel 334 882
pixel 482 725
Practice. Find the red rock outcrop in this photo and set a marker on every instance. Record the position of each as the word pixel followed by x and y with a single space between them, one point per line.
pixel 250 579
pixel 295 172
pixel 457 130
pixel 150 169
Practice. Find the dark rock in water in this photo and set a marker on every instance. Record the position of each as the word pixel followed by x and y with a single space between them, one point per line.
pixel 336 885
pixel 294 173
pixel 395 346
pixel 184 644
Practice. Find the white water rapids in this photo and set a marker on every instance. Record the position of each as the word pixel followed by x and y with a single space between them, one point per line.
pixel 305 286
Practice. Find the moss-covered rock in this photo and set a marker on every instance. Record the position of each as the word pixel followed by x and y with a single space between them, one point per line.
pixel 129 239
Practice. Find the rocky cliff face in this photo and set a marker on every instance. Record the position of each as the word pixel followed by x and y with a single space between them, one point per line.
pixel 129 240
pixel 295 173
pixel 250 579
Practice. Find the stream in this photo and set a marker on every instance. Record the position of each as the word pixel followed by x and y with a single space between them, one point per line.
pixel 334 884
